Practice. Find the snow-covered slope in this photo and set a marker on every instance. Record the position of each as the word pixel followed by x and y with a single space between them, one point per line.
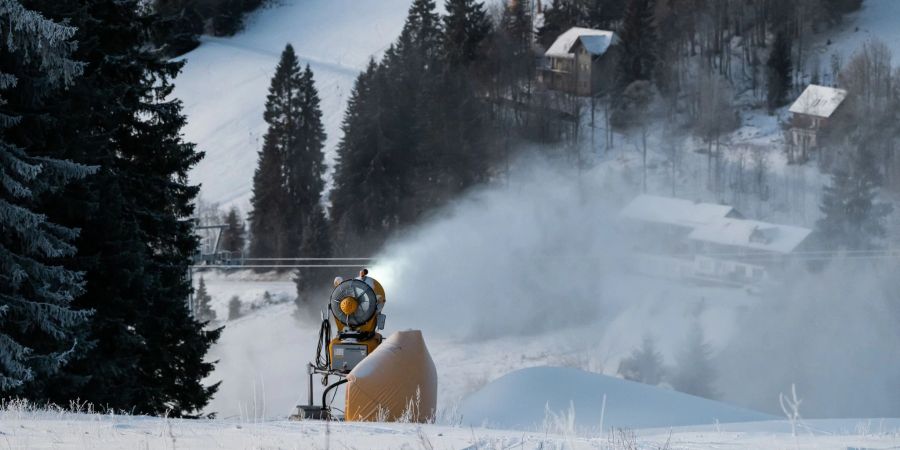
pixel 24 429
pixel 225 81
pixel 525 398
pixel 877 19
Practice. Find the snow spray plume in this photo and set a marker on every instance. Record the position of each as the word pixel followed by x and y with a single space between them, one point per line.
pixel 517 258
pixel 834 334
pixel 545 252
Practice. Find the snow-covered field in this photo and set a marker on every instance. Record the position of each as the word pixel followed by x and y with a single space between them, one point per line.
pixel 25 429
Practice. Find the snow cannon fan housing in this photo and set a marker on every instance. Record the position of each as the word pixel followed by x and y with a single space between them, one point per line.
pixel 356 308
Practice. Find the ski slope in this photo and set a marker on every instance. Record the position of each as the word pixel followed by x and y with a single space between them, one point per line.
pixel 225 81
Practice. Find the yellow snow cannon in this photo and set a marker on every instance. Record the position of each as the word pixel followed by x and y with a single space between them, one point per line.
pixel 356 307
pixel 396 380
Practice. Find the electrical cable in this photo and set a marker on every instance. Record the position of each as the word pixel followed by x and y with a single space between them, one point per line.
pixel 325 393
pixel 324 339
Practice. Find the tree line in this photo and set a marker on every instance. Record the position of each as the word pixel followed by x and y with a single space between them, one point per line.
pixel 95 214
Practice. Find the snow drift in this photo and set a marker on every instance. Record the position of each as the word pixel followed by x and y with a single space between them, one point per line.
pixel 526 398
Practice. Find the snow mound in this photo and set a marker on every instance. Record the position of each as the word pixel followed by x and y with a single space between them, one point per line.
pixel 524 399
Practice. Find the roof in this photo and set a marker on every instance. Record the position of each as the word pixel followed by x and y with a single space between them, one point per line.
pixel 751 234
pixel 596 42
pixel 675 211
pixel 819 101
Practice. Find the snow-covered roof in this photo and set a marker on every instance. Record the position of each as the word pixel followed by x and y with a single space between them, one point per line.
pixel 675 211
pixel 596 42
pixel 751 234
pixel 819 101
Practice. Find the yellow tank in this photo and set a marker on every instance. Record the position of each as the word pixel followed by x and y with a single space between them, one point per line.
pixel 398 381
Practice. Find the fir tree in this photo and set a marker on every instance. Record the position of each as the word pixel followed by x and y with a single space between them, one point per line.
pixel 362 194
pixel 37 323
pixel 694 372
pixel 639 56
pixel 559 17
pixel 234 234
pixel 778 69
pixel 234 308
pixel 305 164
pixel 604 14
pixel 466 26
pixel 517 23
pixel 137 240
pixel 202 299
pixel 316 244
pixel 270 236
pixel 288 183
pixel 644 365
pixel 853 219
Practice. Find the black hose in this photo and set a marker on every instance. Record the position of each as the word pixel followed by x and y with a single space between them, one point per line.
pixel 325 394
pixel 324 339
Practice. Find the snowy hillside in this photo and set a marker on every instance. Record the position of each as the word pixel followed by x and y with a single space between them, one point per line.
pixel 225 81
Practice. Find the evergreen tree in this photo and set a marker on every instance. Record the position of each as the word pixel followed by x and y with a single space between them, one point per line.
pixel 234 308
pixel 316 244
pixel 559 17
pixel 288 183
pixel 137 242
pixel 203 312
pixel 518 24
pixel 778 69
pixel 304 164
pixel 694 372
pixel 639 56
pixel 362 194
pixel 853 219
pixel 604 14
pixel 270 236
pixel 644 365
pixel 466 26
pixel 234 234
pixel 37 322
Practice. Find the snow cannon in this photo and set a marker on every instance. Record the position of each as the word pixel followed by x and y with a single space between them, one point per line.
pixel 386 380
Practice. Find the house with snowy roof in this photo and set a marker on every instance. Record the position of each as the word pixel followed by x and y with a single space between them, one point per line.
pixel 708 241
pixel 811 113
pixel 580 61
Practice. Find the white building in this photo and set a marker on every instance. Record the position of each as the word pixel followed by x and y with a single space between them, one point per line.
pixel 580 61
pixel 682 238
pixel 810 114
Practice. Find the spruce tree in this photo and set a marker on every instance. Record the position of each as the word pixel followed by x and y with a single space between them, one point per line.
pixel 778 72
pixel 694 372
pixel 305 165
pixel 288 183
pixel 234 308
pixel 270 236
pixel 644 365
pixel 362 195
pixel 137 240
pixel 316 244
pixel 639 56
pixel 234 234
pixel 852 218
pixel 203 312
pixel 559 17
pixel 466 26
pixel 37 322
